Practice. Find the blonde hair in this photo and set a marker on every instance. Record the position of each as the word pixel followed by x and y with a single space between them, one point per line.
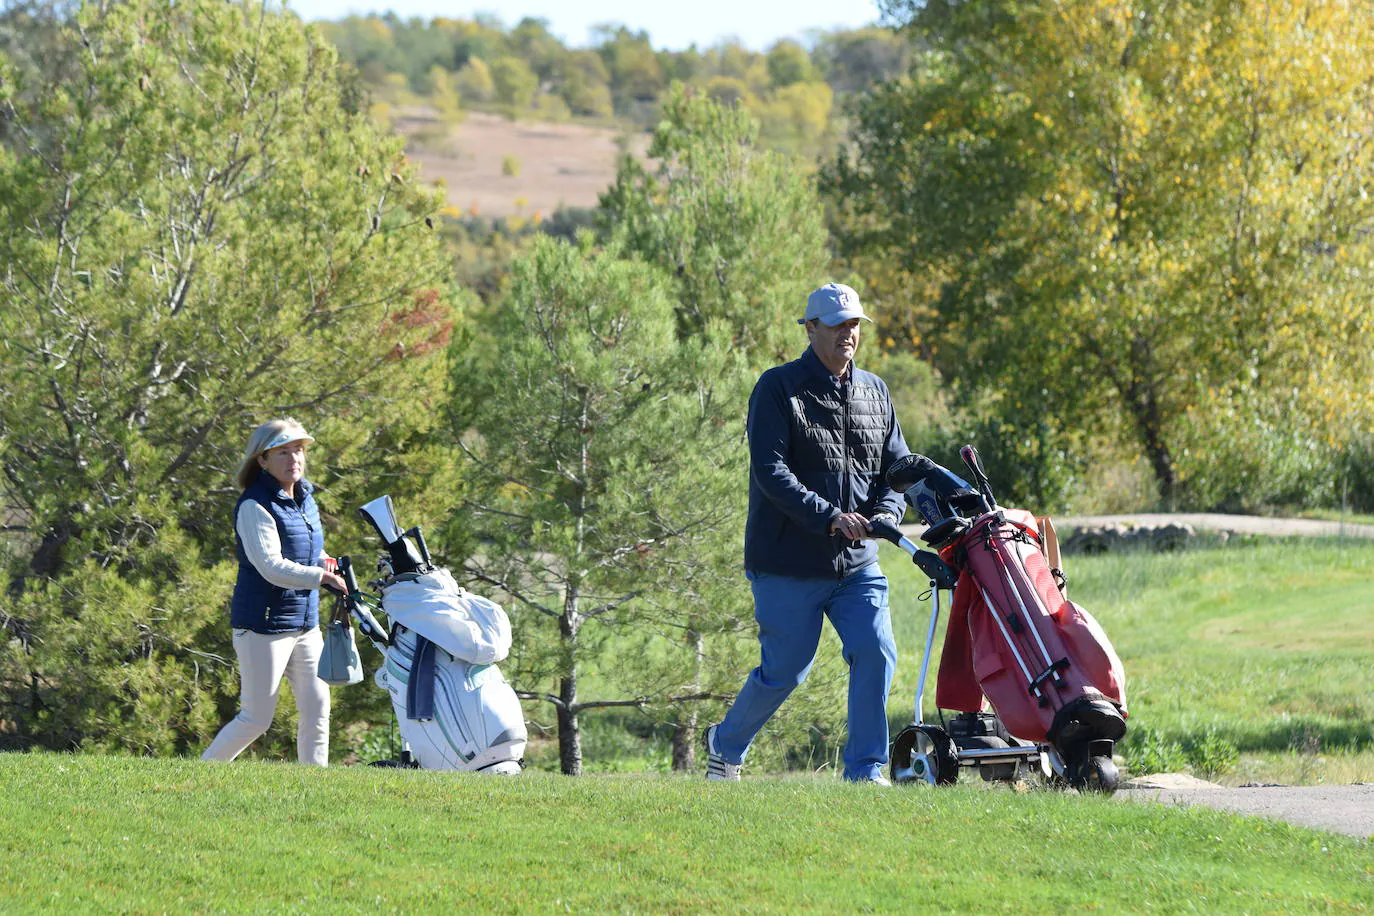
pixel 267 436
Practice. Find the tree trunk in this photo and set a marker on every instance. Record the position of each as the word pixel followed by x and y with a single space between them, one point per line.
pixel 685 732
pixel 569 729
pixel 1141 396
pixel 49 559
pixel 1162 462
pixel 685 741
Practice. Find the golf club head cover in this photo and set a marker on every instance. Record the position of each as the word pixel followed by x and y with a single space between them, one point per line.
pixel 404 557
pixel 935 492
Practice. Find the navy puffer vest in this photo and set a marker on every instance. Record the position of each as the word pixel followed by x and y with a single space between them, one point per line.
pixel 259 605
pixel 817 447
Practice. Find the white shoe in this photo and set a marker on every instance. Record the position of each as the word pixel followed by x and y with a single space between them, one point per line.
pixel 716 767
pixel 878 781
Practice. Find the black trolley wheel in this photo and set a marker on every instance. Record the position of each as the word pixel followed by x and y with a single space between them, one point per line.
pixel 924 753
pixel 1097 774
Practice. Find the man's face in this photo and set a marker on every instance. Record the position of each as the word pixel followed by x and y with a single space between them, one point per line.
pixel 837 344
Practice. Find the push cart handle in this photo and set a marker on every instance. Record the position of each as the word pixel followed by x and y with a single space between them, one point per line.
pixel 929 562
pixel 346 571
pixel 358 607
pixel 883 527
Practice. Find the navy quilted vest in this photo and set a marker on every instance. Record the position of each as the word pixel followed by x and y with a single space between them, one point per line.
pixel 836 442
pixel 259 605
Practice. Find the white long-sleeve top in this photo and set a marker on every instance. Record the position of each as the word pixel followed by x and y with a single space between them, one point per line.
pixel 261 543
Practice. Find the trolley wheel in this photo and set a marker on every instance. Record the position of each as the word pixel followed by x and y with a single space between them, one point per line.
pixel 924 753
pixel 1097 774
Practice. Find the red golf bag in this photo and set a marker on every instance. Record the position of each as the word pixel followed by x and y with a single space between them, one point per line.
pixel 1042 661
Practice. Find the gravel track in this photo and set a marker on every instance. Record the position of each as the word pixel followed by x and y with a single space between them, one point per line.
pixel 1212 521
pixel 1347 809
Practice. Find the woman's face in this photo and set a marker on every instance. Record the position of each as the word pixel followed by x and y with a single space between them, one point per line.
pixel 286 463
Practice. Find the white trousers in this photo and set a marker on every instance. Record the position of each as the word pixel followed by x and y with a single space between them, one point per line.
pixel 263 659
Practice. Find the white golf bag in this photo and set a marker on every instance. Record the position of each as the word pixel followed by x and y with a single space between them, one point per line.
pixel 454 708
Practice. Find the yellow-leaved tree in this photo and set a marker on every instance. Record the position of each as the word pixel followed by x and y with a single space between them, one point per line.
pixel 1147 220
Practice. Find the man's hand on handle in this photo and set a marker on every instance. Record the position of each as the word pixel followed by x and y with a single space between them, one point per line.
pixel 850 525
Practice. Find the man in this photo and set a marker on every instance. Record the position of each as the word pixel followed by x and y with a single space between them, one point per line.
pixel 822 434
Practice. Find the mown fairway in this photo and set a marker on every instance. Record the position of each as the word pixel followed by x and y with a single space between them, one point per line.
pixel 96 834
pixel 1269 646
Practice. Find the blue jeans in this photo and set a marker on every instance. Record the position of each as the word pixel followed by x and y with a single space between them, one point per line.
pixel 789 613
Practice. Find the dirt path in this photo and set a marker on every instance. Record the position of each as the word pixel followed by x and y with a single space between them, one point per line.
pixel 1347 809
pixel 1211 521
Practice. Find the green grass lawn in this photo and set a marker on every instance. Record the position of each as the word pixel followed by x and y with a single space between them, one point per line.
pixel 1335 515
pixel 100 834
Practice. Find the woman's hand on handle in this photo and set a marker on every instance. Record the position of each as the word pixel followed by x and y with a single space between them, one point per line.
pixel 334 582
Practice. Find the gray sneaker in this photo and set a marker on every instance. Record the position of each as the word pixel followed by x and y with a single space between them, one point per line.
pixel 716 767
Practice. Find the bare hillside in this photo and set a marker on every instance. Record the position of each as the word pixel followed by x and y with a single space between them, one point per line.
pixel 559 164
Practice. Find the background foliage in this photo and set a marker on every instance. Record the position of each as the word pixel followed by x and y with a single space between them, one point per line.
pixel 1124 247
pixel 1128 218
pixel 526 72
pixel 200 230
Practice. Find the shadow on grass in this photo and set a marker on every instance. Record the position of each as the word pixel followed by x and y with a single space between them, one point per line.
pixel 1298 735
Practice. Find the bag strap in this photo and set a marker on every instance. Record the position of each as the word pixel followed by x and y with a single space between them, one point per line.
pixel 1050 539
pixel 340 612
pixel 420 685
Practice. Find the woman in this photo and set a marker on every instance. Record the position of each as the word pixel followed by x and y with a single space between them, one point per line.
pixel 275 611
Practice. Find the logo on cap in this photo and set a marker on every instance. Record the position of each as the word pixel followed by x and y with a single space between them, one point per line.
pixel 832 304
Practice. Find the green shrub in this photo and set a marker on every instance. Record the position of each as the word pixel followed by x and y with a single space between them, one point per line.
pixel 106 662
pixel 1253 455
pixel 1358 483
pixel 1212 754
pixel 1147 751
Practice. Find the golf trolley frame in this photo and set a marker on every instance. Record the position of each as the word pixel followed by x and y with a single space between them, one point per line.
pixel 926 752
pixel 360 606
pixel 1075 738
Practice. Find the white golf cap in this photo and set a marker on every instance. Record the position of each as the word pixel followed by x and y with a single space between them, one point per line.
pixel 832 304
